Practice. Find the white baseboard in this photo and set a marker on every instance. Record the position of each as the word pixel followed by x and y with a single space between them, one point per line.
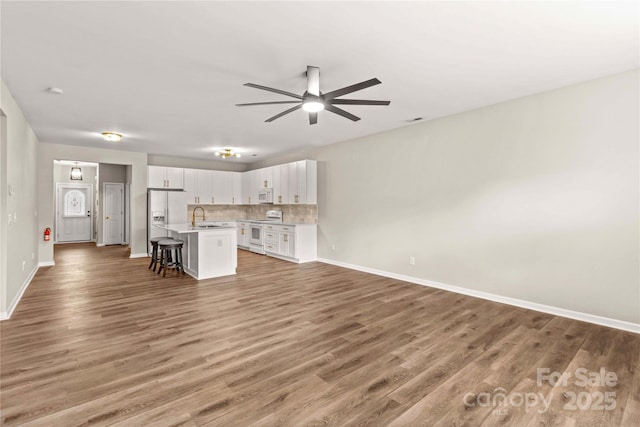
pixel 142 255
pixel 5 315
pixel 99 245
pixel 46 264
pixel 557 311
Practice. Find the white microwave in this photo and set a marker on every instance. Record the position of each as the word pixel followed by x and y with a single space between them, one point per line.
pixel 265 195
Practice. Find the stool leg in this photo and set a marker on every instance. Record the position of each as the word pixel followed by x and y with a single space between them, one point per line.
pixel 160 260
pixel 167 255
pixel 154 255
pixel 179 250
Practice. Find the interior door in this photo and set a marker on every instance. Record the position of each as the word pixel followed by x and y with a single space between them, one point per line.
pixel 74 213
pixel 113 207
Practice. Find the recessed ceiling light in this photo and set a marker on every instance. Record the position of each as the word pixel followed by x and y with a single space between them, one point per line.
pixel 55 90
pixel 111 136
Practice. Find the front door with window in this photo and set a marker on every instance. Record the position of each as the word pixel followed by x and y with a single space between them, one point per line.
pixel 74 213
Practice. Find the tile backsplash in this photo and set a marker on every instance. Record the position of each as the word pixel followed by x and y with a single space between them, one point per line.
pixel 300 214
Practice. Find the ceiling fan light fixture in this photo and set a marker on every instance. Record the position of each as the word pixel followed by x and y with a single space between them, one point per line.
pixel 312 106
pixel 111 136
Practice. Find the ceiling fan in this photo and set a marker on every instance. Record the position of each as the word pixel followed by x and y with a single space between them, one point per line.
pixel 312 100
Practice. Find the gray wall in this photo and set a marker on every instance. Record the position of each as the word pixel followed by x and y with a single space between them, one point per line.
pixel 181 162
pixel 112 174
pixel 535 199
pixel 18 239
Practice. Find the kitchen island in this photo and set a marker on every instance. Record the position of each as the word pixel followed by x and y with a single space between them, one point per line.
pixel 208 251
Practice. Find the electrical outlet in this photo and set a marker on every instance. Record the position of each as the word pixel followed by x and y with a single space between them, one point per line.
pixel 412 260
pixel 23 264
pixel 33 255
pixel 333 247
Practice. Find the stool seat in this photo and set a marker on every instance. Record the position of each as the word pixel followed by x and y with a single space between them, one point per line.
pixel 154 250
pixel 166 246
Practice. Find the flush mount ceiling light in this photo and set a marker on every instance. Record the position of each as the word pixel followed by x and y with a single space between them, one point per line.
pixel 112 136
pixel 76 173
pixel 226 153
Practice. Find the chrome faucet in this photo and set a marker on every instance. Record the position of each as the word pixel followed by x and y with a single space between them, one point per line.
pixel 193 218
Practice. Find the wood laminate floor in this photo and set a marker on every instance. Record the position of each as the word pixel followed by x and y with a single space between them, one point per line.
pixel 98 339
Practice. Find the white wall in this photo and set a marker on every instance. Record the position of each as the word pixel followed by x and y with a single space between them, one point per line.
pixel 47 153
pixel 535 199
pixel 18 239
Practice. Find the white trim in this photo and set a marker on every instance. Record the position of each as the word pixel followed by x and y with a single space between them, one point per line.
pixel 557 311
pixel 46 264
pixel 99 245
pixel 103 213
pixel 6 315
pixel 142 255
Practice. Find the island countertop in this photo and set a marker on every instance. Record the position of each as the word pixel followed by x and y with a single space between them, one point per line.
pixel 188 228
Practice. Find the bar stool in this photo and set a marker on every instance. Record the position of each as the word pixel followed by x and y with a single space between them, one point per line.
pixel 154 250
pixel 165 247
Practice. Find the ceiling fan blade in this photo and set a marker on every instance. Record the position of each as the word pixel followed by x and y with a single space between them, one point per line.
pixel 313 118
pixel 357 102
pixel 267 103
pixel 270 89
pixel 353 88
pixel 290 110
pixel 341 112
pixel 313 80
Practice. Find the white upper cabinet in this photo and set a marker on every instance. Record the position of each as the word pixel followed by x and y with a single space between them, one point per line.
pixel 236 193
pixel 222 186
pixel 204 193
pixel 165 177
pixel 302 182
pixel 264 177
pixel 292 183
pixel 191 185
pixel 281 184
pixel 247 187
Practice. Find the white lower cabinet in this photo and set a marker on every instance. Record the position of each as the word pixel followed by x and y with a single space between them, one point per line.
pixel 297 243
pixel 244 234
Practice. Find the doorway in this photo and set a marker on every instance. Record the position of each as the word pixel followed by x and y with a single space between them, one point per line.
pixel 74 213
pixel 113 207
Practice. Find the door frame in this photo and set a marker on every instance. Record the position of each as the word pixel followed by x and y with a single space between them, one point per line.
pixel 57 210
pixel 104 205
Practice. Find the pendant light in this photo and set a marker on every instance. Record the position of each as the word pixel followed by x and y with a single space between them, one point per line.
pixel 76 173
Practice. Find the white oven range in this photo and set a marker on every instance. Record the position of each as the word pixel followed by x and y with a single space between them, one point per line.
pixel 256 244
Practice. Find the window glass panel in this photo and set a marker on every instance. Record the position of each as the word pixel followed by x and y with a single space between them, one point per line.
pixel 74 203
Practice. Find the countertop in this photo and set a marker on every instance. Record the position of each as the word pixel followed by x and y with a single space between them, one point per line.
pixel 213 221
pixel 188 228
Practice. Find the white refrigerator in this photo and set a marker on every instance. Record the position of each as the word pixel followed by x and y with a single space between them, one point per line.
pixel 164 207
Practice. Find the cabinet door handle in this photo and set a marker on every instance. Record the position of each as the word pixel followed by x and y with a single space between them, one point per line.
pixel 242 231
pixel 233 200
pixel 212 202
pixel 249 199
pixel 296 198
pixel 279 199
pixel 265 184
pixel 286 237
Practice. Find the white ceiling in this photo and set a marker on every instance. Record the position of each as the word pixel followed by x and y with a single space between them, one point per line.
pixel 167 74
